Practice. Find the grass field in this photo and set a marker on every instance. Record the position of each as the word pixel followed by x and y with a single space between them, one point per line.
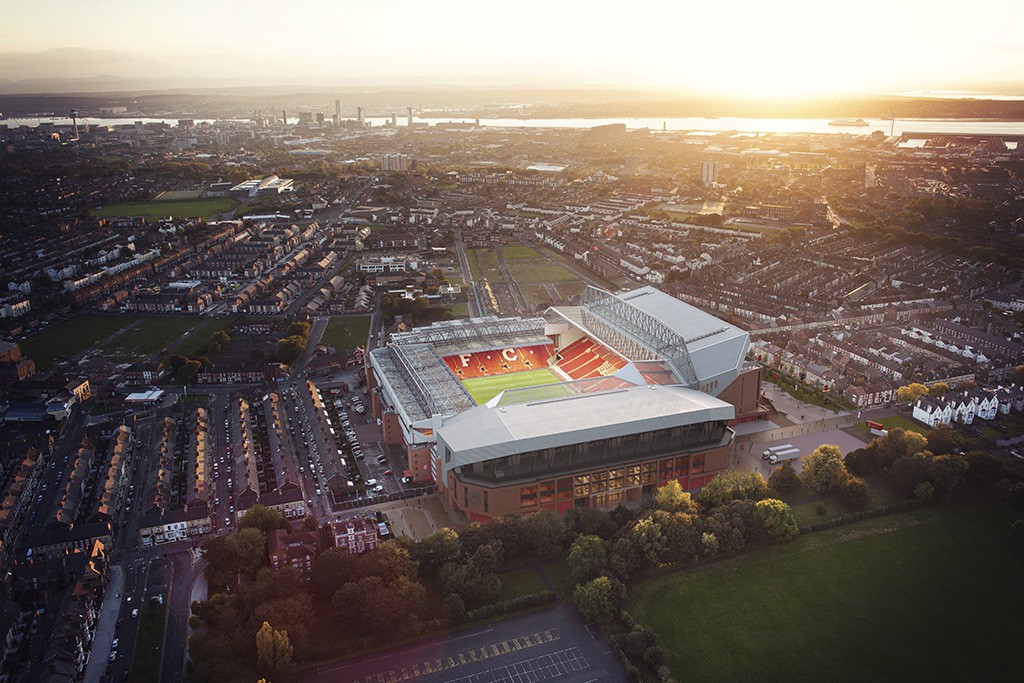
pixel 344 334
pixel 520 583
pixel 483 389
pixel 197 342
pixel 155 210
pixel 71 337
pixel 460 310
pixel 897 422
pixel 932 594
pixel 178 195
pixel 519 251
pixel 152 335
pixel 146 663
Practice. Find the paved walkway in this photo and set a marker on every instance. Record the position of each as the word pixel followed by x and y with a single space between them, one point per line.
pixel 105 627
pixel 417 517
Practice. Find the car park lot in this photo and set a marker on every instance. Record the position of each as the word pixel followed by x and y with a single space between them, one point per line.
pixel 549 645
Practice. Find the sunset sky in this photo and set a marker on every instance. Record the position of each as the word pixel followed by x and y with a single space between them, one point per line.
pixel 734 47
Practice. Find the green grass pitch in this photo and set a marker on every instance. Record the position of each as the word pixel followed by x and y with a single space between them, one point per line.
pixel 483 389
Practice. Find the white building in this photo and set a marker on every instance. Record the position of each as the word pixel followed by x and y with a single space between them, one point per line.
pixel 709 173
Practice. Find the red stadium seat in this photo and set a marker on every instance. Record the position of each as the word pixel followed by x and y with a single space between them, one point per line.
pixel 498 361
pixel 586 358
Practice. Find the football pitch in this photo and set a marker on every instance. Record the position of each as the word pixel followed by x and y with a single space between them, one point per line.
pixel 483 389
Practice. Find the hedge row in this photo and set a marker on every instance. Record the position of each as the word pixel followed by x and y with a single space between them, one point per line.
pixel 512 605
pixel 899 506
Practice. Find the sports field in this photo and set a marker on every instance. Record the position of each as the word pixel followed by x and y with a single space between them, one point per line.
pixel 71 337
pixel 483 389
pixel 931 594
pixel 155 210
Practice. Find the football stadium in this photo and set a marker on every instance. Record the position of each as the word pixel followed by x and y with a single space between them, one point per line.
pixel 593 405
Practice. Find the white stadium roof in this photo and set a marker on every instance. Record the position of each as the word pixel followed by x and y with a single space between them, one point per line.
pixel 483 433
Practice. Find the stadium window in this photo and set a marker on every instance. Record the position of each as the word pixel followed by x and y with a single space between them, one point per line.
pixel 582 485
pixel 649 472
pixel 698 464
pixel 666 469
pixel 614 480
pixel 633 475
pixel 682 465
pixel 547 492
pixel 565 488
pixel 527 496
pixel 465 496
pixel 486 506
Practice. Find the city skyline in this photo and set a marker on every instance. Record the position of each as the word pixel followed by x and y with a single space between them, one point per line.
pixel 738 48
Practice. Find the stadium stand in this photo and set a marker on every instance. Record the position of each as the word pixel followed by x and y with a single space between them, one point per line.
pixel 498 361
pixel 585 358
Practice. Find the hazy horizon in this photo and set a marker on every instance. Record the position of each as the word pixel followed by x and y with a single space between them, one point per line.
pixel 737 48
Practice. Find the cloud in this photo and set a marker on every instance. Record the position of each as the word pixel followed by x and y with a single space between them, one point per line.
pixel 77 62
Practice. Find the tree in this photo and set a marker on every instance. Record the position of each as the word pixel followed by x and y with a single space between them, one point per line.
pixel 640 547
pixel 219 341
pixel 455 607
pixel 290 348
pixel 1017 375
pixel 938 389
pixel 435 550
pixel 709 544
pixel 263 518
pixel 587 558
pixel 823 469
pixel 334 567
pixel 672 498
pixel 732 485
pixel 250 547
pixel 911 392
pixel 546 533
pixel 310 523
pixel 390 562
pixel 909 471
pixel 854 494
pixel 896 444
pixel 777 519
pixel 946 473
pixel 298 330
pixel 188 372
pixel 784 479
pixel 273 650
pixel 595 600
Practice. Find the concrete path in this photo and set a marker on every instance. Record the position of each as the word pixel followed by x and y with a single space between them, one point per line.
pixel 105 627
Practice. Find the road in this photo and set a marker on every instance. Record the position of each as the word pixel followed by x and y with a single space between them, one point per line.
pixel 467 275
pixel 549 645
pixel 184 571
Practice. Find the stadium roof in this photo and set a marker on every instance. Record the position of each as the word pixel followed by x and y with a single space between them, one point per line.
pixel 483 433
pixel 646 324
pixel 448 337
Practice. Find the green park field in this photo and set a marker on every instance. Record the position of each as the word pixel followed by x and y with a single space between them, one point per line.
pixel 152 334
pixel 157 209
pixel 931 594
pixel 483 389
pixel 71 337
pixel 344 334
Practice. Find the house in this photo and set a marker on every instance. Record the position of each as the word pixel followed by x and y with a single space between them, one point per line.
pixel 297 550
pixel 356 534
pixel 964 408
pixel 933 412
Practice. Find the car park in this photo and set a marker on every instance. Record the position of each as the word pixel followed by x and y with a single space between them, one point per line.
pixel 371 482
pixel 378 488
pixel 389 471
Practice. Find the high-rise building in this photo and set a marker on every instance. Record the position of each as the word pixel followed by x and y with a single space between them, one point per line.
pixel 395 162
pixel 869 176
pixel 394 120
pixel 409 112
pixel 359 116
pixel 709 173
pixel 337 108
pixel 632 164
pixel 284 117
pixel 319 117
